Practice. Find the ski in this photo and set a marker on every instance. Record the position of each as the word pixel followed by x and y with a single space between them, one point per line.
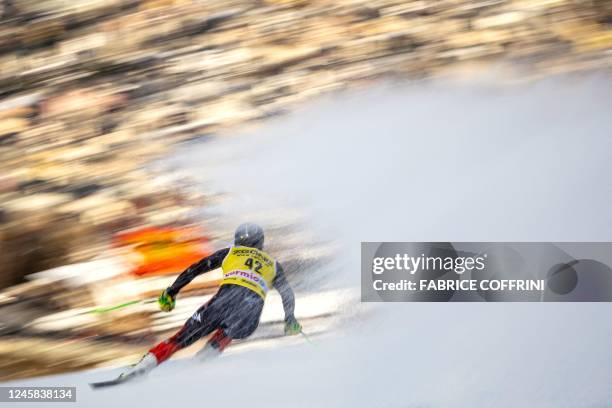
pixel 146 364
pixel 119 380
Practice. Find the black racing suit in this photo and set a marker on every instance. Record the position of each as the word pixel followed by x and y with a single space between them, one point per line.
pixel 233 309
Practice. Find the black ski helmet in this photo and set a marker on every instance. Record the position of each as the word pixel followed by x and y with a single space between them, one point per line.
pixel 249 235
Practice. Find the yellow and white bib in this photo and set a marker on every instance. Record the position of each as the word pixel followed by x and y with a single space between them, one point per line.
pixel 249 267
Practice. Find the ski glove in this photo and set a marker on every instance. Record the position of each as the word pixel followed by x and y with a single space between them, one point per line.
pixel 166 302
pixel 292 327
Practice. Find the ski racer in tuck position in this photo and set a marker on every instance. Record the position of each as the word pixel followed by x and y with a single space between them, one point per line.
pixel 234 311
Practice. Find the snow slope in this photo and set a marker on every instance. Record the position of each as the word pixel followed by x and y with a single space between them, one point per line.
pixel 415 163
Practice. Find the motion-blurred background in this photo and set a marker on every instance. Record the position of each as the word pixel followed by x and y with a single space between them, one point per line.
pixel 94 92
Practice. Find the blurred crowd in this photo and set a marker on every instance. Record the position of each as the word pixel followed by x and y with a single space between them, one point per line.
pixel 92 91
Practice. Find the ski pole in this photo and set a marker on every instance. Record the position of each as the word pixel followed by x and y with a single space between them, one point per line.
pixel 306 337
pixel 122 305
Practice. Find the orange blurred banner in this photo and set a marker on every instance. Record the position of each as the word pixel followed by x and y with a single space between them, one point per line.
pixel 165 250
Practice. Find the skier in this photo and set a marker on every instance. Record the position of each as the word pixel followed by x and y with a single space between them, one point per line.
pixel 234 311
